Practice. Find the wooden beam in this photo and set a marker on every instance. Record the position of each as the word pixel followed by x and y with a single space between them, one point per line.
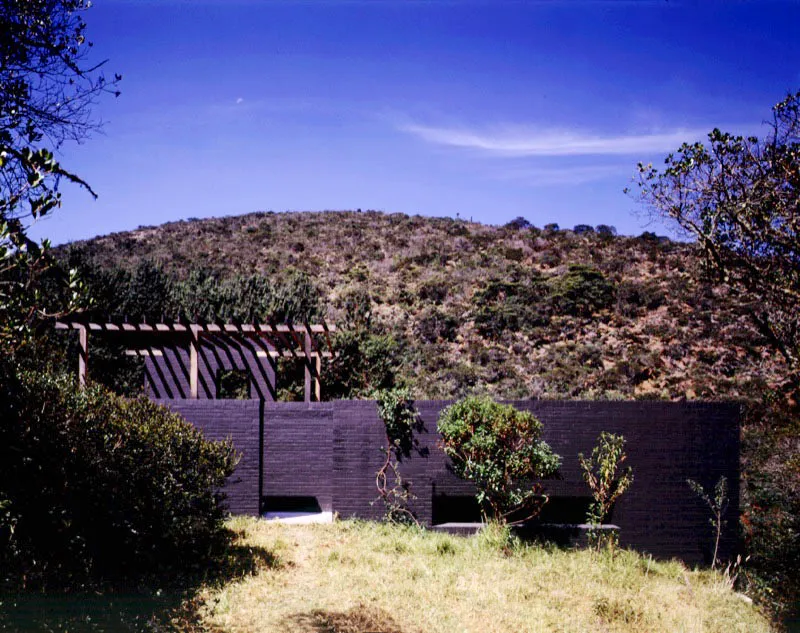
pixel 307 350
pixel 83 356
pixel 317 378
pixel 193 364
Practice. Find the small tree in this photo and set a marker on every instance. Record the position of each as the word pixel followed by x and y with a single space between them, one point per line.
pixel 718 504
pixel 602 473
pixel 499 449
pixel 400 419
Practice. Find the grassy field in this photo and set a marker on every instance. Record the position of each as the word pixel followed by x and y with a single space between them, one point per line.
pixel 353 577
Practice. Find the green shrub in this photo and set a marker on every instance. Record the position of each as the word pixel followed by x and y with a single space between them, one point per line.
pixel 771 501
pixel 601 472
pixel 511 305
pixel 101 488
pixel 582 291
pixel 435 325
pixel 499 449
pixel 635 297
pixel 365 361
pixel 401 420
pixel 434 290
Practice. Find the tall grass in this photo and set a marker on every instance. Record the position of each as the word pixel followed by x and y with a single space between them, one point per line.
pixel 356 577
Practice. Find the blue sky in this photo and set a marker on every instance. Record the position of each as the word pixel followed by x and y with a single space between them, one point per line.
pixel 488 110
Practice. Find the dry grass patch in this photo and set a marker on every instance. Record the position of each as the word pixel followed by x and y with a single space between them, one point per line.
pixel 354 577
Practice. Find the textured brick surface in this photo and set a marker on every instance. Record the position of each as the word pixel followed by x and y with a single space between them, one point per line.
pixel 332 450
pixel 298 451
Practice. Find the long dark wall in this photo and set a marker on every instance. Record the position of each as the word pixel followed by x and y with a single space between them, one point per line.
pixel 331 451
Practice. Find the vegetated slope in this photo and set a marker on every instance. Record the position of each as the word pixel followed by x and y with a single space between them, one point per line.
pixel 361 577
pixel 513 311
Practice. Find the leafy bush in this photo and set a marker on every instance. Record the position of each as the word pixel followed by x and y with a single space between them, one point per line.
pixel 634 297
pixel 499 449
pixel 582 291
pixel 518 224
pixel 100 488
pixel 517 304
pixel 435 325
pixel 434 290
pixel 771 501
pixel 606 230
pixel 365 361
pixel 602 474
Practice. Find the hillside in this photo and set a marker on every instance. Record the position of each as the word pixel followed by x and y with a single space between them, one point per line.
pixel 514 311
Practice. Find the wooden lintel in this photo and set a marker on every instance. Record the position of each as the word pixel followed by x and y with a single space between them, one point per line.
pixel 285 330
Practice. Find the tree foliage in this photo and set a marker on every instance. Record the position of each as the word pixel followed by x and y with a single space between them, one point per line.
pixel 48 83
pixel 102 488
pixel 739 197
pixel 500 450
pixel 47 88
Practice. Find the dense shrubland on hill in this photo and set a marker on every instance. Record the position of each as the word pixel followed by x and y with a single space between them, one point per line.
pixel 458 307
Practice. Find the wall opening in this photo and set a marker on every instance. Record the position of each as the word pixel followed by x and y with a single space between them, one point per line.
pixel 455 509
pixel 233 384
pixel 294 509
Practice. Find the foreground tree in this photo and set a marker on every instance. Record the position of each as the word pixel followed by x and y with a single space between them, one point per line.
pixel 739 197
pixel 47 88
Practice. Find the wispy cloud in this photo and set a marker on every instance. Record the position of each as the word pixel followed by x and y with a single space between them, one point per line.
pixel 525 141
pixel 572 175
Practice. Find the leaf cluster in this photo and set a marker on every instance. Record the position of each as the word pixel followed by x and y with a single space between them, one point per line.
pixel 528 299
pixel 738 198
pixel 100 488
pixel 500 450
pixel 602 473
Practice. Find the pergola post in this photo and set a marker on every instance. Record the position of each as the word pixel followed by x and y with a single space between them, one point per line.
pixel 83 355
pixel 193 363
pixel 307 351
pixel 318 377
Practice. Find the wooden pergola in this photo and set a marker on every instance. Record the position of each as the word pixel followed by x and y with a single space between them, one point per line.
pixel 310 342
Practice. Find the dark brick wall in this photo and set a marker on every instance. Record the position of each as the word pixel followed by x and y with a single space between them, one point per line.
pixel 667 443
pixel 331 451
pixel 239 421
pixel 298 451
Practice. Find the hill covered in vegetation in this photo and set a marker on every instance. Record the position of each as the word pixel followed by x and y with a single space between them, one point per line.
pixel 455 307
